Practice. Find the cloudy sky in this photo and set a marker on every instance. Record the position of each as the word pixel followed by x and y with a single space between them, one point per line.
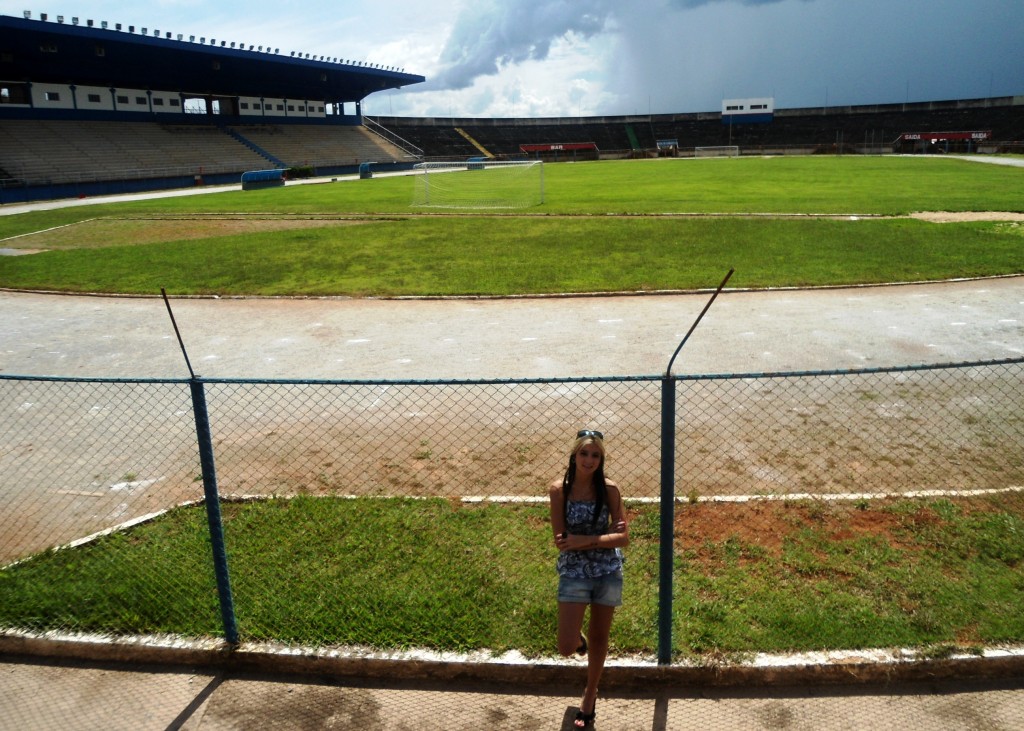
pixel 498 58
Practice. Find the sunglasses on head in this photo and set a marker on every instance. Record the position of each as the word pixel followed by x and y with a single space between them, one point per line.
pixel 589 433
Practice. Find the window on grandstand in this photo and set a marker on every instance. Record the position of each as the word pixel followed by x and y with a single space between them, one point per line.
pixel 140 100
pixel 51 96
pixel 158 102
pixel 243 105
pixel 174 102
pixel 280 107
pixel 122 99
pixel 94 98
pixel 15 94
pixel 291 107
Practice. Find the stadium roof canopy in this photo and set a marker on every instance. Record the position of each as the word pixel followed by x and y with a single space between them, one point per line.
pixel 44 51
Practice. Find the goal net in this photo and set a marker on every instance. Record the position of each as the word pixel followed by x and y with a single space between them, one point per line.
pixel 479 183
pixel 719 151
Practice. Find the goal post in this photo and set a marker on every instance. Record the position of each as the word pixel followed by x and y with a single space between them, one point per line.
pixel 717 151
pixel 479 183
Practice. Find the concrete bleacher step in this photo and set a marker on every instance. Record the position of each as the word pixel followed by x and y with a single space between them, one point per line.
pixel 50 151
pixel 319 145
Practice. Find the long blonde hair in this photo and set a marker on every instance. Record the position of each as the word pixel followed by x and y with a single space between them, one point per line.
pixel 600 485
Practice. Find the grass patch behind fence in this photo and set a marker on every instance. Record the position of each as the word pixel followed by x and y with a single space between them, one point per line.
pixel 397 573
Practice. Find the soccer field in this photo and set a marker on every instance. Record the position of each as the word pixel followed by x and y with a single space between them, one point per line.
pixel 646 225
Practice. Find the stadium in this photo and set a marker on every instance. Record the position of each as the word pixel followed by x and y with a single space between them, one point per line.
pixel 869 508
pixel 91 108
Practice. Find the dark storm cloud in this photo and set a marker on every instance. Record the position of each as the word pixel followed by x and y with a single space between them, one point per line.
pixel 491 34
pixel 683 4
pixel 674 55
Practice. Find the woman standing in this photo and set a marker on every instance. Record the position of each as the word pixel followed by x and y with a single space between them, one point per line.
pixel 590 530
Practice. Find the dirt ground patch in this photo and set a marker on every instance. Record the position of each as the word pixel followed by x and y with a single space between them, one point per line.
pixel 967 216
pixel 102 232
pixel 767 524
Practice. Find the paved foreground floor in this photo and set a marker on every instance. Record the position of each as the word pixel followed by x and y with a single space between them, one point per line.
pixel 37 695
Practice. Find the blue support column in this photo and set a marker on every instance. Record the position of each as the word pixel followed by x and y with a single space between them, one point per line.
pixel 666 549
pixel 213 516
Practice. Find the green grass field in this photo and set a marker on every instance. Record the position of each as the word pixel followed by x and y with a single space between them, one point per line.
pixel 394 573
pixel 639 225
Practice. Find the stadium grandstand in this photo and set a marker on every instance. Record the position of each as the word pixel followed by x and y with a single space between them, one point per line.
pixel 91 108
pixel 867 129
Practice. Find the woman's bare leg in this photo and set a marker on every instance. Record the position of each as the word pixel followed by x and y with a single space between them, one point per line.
pixel 570 623
pixel 597 642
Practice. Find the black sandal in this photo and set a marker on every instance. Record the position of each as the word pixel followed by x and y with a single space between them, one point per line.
pixel 582 649
pixel 585 720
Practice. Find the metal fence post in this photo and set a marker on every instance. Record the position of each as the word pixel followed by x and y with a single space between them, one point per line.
pixel 213 516
pixel 666 550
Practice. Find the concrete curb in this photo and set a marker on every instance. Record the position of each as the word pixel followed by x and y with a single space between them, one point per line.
pixel 833 668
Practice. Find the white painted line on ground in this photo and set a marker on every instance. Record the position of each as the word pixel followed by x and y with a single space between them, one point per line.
pixel 836 497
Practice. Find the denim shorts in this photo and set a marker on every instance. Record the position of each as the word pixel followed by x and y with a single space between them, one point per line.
pixel 604 590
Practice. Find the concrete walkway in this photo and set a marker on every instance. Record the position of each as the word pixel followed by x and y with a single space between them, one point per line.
pixel 42 695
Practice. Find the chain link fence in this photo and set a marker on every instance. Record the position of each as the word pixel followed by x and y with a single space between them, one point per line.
pixel 370 513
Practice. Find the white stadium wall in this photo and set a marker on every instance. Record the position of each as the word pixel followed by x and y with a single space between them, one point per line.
pixel 104 99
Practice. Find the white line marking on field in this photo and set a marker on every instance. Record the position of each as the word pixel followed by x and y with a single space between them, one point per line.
pixel 383 390
pixel 134 484
pixel 357 341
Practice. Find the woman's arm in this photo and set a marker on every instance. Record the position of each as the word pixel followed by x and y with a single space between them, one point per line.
pixel 557 500
pixel 618 530
pixel 617 524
